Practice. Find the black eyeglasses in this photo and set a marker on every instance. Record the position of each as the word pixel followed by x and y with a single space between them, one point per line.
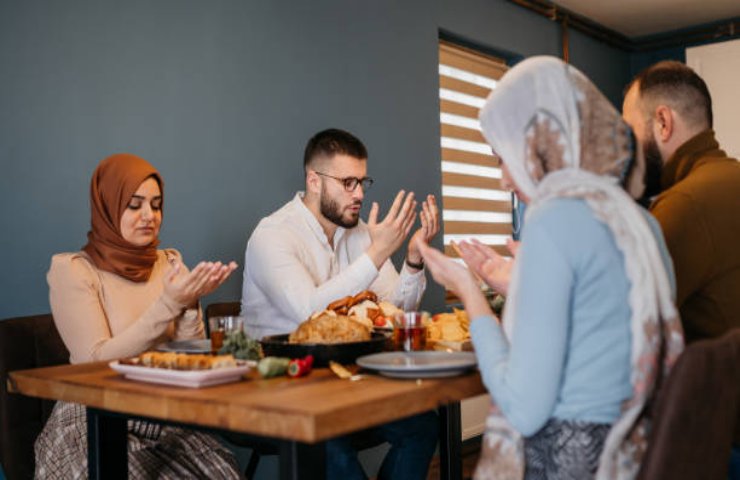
pixel 350 183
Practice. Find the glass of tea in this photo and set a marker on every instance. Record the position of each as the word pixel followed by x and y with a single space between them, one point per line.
pixel 409 332
pixel 220 327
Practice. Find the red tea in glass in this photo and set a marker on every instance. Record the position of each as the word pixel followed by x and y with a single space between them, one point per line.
pixel 220 327
pixel 410 339
pixel 217 340
pixel 409 333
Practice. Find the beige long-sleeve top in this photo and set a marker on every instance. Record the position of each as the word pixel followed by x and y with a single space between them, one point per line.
pixel 103 316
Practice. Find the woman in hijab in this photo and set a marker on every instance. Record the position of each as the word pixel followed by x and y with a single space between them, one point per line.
pixel 590 326
pixel 116 298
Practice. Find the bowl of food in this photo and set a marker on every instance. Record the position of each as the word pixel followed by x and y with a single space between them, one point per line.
pixel 342 332
pixel 323 353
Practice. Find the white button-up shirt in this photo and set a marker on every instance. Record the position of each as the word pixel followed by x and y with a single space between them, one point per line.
pixel 291 271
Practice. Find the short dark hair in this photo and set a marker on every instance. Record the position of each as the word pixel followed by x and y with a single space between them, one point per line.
pixel 677 85
pixel 330 142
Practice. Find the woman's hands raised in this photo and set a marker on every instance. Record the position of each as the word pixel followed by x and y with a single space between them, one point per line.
pixel 491 267
pixel 186 287
pixel 457 278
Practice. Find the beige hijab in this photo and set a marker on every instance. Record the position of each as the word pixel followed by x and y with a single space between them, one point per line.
pixel 559 137
pixel 113 183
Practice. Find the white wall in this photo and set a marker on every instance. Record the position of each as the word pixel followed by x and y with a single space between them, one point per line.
pixel 719 66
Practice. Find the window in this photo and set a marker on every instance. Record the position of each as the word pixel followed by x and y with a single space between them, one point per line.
pixel 474 205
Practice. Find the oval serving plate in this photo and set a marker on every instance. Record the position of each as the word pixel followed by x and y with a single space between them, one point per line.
pixel 278 346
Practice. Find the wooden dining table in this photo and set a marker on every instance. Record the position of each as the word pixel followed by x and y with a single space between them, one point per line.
pixel 299 415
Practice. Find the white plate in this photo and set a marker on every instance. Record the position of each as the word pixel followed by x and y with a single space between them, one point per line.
pixel 419 364
pixel 187 346
pixel 182 378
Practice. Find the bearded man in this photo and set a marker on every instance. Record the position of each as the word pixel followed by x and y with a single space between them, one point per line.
pixel 693 189
pixel 315 249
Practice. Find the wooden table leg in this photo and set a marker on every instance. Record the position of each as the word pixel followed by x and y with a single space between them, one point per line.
pixel 302 461
pixel 450 442
pixel 107 445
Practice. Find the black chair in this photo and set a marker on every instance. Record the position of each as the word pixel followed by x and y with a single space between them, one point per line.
pixel 25 342
pixel 696 415
pixel 258 447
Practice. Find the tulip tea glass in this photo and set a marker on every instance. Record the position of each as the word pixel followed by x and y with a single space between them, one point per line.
pixel 220 327
pixel 409 331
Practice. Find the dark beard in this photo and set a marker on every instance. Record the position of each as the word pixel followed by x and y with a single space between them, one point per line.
pixel 653 168
pixel 330 210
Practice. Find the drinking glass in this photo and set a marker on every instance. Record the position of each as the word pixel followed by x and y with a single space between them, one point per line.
pixel 220 327
pixel 409 332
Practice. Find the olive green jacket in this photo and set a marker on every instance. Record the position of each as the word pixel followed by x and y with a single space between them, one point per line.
pixel 699 211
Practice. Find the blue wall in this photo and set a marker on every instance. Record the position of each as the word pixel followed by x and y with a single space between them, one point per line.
pixel 643 59
pixel 221 96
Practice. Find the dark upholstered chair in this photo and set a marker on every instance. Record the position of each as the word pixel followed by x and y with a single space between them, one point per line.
pixel 25 342
pixel 696 414
pixel 258 447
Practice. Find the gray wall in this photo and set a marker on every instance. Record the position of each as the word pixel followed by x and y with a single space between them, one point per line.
pixel 221 96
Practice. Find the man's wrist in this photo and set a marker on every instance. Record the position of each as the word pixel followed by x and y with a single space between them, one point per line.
pixel 376 256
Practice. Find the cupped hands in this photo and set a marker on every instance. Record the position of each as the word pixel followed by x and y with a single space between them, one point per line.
pixel 186 287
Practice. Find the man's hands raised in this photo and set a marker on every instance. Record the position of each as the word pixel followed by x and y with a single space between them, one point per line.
pixel 388 235
pixel 429 228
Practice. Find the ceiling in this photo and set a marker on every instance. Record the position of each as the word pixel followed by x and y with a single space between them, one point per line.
pixel 635 18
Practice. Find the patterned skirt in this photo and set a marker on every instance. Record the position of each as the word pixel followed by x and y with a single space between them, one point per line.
pixel 154 451
pixel 564 450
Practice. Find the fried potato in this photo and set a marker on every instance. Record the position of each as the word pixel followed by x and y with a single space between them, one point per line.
pixel 453 332
pixel 452 327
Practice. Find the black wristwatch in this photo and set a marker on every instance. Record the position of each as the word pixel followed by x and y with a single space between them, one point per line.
pixel 418 266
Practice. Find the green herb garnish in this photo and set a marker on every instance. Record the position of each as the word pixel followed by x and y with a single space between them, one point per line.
pixel 241 346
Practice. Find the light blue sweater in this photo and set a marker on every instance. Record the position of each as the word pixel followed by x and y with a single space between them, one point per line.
pixel 569 356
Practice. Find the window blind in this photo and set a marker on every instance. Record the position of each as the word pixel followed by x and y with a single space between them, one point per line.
pixel 474 205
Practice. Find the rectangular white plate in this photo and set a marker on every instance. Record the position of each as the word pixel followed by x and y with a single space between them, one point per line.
pixel 182 378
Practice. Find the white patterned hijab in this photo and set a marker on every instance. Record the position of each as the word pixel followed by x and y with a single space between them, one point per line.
pixel 560 137
pixel 545 116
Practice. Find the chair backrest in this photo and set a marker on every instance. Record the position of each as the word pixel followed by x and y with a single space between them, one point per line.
pixel 25 342
pixel 696 414
pixel 224 308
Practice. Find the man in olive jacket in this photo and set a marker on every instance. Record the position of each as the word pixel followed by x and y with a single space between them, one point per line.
pixel 698 199
pixel 698 193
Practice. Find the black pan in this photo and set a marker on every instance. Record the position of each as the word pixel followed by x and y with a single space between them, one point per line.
pixel 278 346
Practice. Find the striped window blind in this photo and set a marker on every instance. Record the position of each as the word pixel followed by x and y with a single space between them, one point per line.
pixel 474 205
